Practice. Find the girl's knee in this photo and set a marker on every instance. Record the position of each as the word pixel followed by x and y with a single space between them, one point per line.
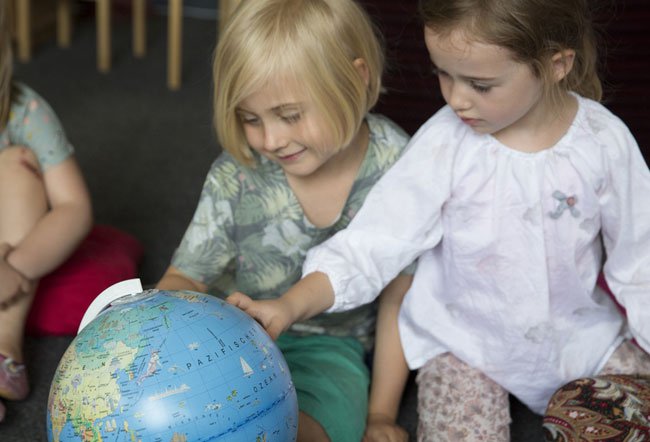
pixel 457 402
pixel 616 404
pixel 23 197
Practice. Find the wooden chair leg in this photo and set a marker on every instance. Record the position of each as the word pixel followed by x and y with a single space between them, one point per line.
pixel 174 44
pixel 139 27
pixel 63 23
pixel 103 17
pixel 23 29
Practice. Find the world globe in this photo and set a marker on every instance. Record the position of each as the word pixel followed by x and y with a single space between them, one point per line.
pixel 172 366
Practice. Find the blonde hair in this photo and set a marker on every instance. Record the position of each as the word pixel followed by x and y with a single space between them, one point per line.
pixel 533 31
pixel 311 42
pixel 6 65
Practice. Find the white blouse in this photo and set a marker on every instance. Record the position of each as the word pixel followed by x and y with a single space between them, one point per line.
pixel 510 245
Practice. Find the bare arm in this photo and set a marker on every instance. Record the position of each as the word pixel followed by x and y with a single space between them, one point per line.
pixel 174 279
pixel 390 370
pixel 63 227
pixel 310 296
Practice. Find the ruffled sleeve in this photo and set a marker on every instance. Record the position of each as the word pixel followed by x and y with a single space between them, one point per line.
pixel 208 247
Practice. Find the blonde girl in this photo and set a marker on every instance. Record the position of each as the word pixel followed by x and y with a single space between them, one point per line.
pixel 294 83
pixel 514 196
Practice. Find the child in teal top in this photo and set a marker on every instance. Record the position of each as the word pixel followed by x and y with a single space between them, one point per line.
pixel 45 210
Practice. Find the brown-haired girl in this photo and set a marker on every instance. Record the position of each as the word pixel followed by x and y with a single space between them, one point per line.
pixel 515 197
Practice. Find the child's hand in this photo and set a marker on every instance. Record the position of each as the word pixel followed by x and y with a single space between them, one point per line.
pixel 12 284
pixel 272 314
pixel 382 429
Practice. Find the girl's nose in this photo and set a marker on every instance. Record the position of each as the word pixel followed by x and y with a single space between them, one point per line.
pixel 458 98
pixel 274 137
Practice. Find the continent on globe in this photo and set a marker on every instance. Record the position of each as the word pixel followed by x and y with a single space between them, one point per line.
pixel 172 366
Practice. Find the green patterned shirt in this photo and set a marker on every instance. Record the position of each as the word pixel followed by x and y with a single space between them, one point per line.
pixel 250 234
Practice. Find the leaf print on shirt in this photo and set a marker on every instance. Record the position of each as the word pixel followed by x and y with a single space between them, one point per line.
pixel 276 202
pixel 286 237
pixel 267 278
pixel 224 183
pixel 209 220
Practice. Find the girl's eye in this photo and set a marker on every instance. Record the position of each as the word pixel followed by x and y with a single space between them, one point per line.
pixel 248 120
pixel 481 88
pixel 437 72
pixel 291 118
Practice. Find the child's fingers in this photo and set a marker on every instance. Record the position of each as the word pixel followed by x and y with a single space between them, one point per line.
pixel 246 304
pixel 258 310
pixel 9 302
pixel 4 249
pixel 25 285
pixel 240 300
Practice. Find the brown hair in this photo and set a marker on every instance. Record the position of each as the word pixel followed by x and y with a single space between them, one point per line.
pixel 314 44
pixel 532 30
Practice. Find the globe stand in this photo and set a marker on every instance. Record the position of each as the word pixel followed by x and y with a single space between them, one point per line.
pixel 107 297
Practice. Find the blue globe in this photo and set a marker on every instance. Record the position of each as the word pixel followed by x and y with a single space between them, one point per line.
pixel 172 366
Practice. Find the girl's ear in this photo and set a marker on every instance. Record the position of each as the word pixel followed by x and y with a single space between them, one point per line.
pixel 362 67
pixel 562 63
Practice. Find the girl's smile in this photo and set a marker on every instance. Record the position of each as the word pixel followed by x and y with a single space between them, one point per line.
pixel 282 124
pixel 287 158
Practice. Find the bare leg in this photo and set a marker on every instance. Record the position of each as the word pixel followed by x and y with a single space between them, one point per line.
pixel 309 430
pixel 22 203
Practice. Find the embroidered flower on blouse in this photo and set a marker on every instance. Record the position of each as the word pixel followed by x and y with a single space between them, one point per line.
pixel 565 203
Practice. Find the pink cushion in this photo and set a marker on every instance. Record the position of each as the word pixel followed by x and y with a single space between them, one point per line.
pixel 105 257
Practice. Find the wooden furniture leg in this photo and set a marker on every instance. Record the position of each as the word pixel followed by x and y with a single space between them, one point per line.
pixel 63 23
pixel 23 29
pixel 139 28
pixel 174 44
pixel 103 14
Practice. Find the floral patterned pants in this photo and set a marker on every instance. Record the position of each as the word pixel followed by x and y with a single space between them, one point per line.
pixel 459 403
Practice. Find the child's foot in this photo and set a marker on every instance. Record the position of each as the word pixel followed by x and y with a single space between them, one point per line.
pixel 13 379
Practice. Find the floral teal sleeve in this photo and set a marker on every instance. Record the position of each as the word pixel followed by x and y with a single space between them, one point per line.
pixel 33 123
pixel 249 232
pixel 207 249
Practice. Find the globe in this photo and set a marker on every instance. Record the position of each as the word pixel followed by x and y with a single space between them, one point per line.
pixel 172 366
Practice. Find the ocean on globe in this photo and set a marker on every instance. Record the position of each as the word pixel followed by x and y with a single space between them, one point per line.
pixel 172 366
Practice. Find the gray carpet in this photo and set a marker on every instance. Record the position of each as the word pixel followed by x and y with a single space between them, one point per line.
pixel 144 151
